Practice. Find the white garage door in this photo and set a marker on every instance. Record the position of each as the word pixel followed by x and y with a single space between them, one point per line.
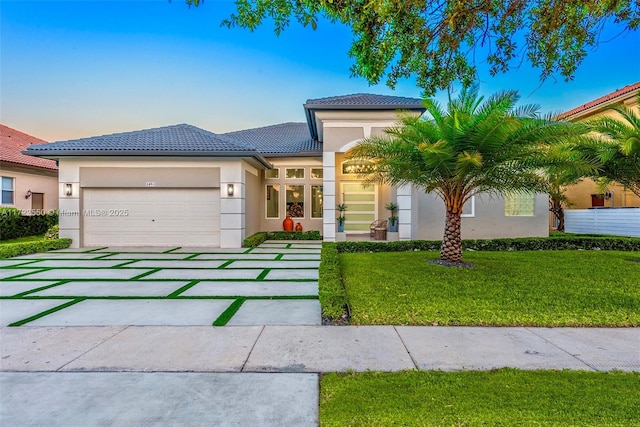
pixel 151 217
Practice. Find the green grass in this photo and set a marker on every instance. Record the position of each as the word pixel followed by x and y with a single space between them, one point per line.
pixel 537 288
pixel 505 397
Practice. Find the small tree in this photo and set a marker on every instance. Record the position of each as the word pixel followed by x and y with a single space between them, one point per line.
pixel 617 145
pixel 473 146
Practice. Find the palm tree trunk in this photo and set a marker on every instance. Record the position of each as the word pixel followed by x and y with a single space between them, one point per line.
pixel 451 249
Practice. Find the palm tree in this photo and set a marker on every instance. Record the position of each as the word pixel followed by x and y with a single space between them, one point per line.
pixel 473 146
pixel 618 146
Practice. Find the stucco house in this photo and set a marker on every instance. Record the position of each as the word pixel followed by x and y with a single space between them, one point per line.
pixel 181 185
pixel 586 194
pixel 28 183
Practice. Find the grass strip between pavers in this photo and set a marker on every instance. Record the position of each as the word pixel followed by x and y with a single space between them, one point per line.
pixel 226 263
pixel 278 257
pixel 190 257
pixel 171 250
pixel 125 263
pixel 264 273
pixel 35 270
pixel 41 288
pixel 140 276
pixel 26 263
pixel 47 312
pixel 94 250
pixel 182 289
pixel 229 312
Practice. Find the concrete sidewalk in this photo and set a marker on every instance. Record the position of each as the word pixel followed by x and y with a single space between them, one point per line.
pixel 254 375
pixel 315 349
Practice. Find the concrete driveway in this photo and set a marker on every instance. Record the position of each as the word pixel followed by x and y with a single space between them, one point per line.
pixel 274 284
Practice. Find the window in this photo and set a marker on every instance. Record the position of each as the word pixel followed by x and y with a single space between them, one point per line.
pixel 519 204
pixel 272 173
pixel 7 190
pixel 316 201
pixel 354 167
pixel 295 173
pixel 273 201
pixel 316 173
pixel 295 201
pixel 469 208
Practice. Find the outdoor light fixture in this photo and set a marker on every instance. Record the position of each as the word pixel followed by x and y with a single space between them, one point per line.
pixel 68 189
pixel 229 189
pixel 28 194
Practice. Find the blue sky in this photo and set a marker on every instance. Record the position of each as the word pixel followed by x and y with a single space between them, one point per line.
pixel 81 68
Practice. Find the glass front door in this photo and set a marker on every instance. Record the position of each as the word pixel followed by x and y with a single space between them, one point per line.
pixel 361 201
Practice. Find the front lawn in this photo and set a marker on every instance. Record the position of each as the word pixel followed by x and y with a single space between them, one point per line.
pixel 529 288
pixel 476 398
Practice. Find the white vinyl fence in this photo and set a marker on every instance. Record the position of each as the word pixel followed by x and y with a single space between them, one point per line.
pixel 615 221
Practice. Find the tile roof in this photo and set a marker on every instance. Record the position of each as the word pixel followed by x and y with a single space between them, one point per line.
pixel 285 138
pixel 613 95
pixel 176 139
pixel 365 101
pixel 13 142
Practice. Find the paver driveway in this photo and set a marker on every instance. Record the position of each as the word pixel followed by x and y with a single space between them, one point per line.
pixel 274 284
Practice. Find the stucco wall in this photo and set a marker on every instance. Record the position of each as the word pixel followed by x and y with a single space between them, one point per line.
pixel 489 221
pixel 25 181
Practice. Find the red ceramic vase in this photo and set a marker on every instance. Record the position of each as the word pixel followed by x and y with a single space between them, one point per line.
pixel 298 227
pixel 287 224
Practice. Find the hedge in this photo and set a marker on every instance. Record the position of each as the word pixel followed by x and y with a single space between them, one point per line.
pixel 331 292
pixel 258 238
pixel 571 242
pixel 8 250
pixel 14 225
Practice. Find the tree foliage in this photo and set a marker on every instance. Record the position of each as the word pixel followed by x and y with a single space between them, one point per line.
pixel 439 41
pixel 472 146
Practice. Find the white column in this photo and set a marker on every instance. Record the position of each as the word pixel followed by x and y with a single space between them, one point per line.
pixel 232 207
pixel 69 214
pixel 329 196
pixel 404 212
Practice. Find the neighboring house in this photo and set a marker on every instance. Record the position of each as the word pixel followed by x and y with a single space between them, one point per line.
pixel 181 185
pixel 28 183
pixel 586 193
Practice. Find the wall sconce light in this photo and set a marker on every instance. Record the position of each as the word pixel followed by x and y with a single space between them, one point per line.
pixel 229 189
pixel 68 189
pixel 28 194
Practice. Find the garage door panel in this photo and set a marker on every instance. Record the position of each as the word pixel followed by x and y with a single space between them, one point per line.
pixel 160 217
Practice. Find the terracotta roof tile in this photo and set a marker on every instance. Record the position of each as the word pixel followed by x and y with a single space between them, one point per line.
pixel 601 100
pixel 12 142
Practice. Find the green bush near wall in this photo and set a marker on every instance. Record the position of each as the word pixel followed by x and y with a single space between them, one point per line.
pixel 258 238
pixel 565 242
pixel 8 250
pixel 14 225
pixel 331 291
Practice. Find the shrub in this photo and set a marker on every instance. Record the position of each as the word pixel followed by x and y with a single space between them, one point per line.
pixel 331 291
pixel 14 225
pixel 52 233
pixel 569 242
pixel 8 250
pixel 258 238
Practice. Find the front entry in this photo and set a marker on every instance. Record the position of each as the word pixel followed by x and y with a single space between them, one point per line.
pixel 362 206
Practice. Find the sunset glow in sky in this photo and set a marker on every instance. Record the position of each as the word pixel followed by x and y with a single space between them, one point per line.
pixel 71 69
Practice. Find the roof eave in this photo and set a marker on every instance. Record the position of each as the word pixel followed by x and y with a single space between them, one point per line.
pixel 148 153
pixel 392 107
